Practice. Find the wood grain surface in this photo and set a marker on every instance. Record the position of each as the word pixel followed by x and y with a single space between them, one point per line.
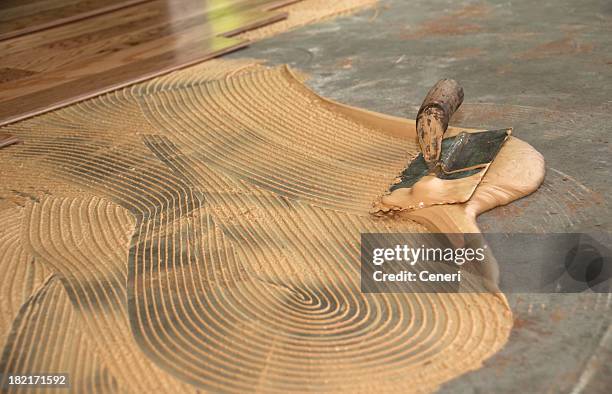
pixel 19 17
pixel 45 70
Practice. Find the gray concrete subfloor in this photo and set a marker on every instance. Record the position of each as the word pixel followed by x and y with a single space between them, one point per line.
pixel 542 67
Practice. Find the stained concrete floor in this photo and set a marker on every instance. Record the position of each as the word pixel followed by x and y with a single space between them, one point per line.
pixel 544 68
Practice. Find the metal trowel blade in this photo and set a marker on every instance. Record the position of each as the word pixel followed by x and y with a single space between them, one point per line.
pixel 462 155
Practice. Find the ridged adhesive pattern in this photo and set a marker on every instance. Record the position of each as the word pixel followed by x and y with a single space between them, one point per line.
pixel 201 231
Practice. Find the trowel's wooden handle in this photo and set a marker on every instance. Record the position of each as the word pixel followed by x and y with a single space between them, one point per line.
pixel 432 120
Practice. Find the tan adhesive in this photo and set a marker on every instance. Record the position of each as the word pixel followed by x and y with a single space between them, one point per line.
pixel 431 190
pixel 206 229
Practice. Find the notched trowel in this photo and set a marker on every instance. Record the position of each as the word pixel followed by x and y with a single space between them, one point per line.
pixel 467 154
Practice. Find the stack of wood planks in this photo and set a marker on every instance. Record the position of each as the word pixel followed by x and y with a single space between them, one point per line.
pixel 63 51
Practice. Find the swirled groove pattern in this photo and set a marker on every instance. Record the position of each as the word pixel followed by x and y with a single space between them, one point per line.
pixel 85 240
pixel 205 229
pixel 21 274
pixel 46 337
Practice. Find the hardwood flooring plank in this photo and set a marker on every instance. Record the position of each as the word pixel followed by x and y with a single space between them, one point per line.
pixel 14 9
pixel 88 66
pixel 66 12
pixel 124 21
pixel 80 89
pixel 109 38
pixel 65 64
